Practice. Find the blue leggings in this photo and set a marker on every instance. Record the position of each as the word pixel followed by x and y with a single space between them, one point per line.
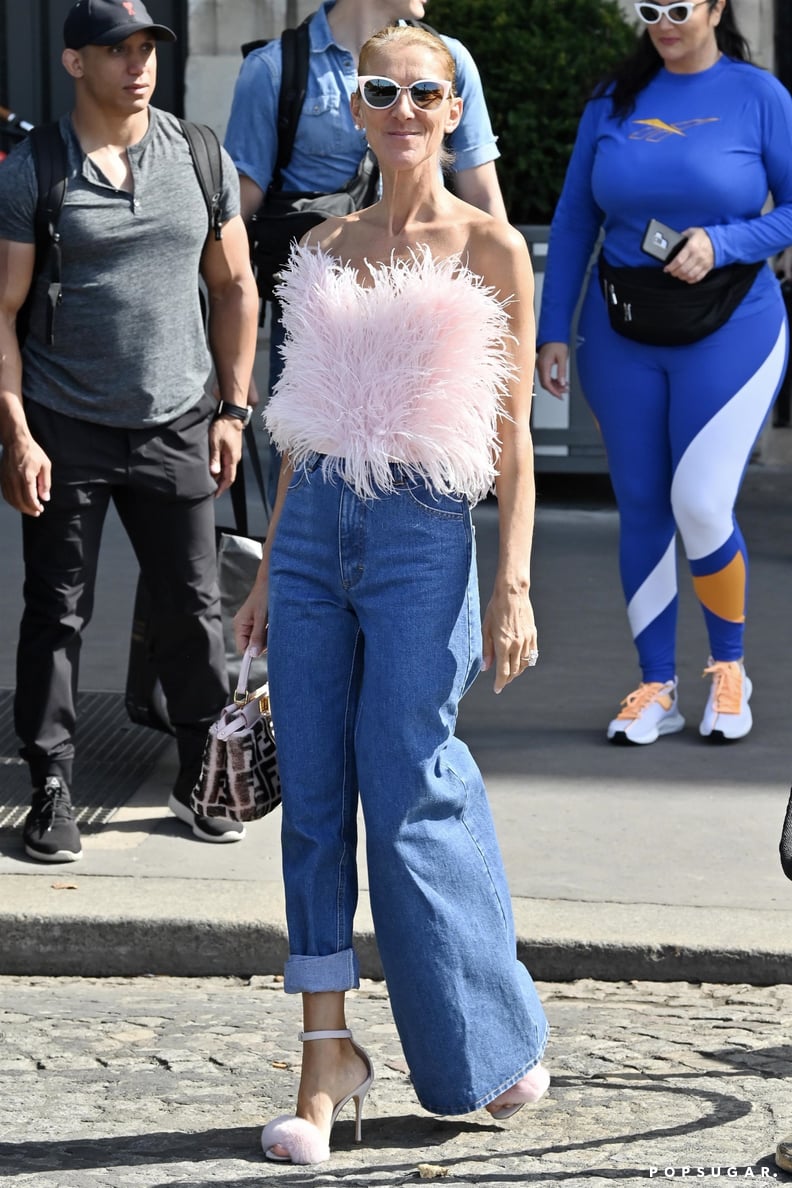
pixel 679 424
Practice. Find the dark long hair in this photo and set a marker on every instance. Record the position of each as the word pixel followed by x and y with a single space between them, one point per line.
pixel 638 69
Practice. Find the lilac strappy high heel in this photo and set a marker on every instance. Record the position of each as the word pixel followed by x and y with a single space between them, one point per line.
pixel 527 1091
pixel 304 1143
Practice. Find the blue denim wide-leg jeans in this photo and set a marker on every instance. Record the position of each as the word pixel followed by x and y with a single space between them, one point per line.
pixel 374 636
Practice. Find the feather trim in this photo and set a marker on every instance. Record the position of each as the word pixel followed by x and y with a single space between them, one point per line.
pixel 412 368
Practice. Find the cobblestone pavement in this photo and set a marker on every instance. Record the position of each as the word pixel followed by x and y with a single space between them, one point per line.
pixel 147 1082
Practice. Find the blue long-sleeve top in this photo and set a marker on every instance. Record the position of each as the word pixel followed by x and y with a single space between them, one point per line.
pixel 699 150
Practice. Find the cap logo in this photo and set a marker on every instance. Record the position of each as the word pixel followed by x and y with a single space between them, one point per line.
pixel 107 22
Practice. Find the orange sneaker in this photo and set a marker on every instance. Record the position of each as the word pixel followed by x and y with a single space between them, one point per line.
pixel 727 715
pixel 646 713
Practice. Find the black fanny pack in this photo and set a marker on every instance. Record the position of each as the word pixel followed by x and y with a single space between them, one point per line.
pixel 650 306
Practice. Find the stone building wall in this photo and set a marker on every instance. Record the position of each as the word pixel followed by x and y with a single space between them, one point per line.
pixel 217 29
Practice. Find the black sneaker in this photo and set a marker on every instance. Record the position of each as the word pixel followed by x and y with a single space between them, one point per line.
pixel 50 832
pixel 209 829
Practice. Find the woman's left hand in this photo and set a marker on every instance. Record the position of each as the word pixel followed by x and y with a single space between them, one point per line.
pixel 509 637
pixel 695 259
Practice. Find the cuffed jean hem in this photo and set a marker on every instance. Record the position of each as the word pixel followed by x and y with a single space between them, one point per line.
pixel 313 975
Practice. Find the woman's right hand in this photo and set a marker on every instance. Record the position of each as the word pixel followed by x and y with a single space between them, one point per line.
pixel 250 621
pixel 552 363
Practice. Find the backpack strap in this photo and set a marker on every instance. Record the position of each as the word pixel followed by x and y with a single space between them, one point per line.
pixel 295 52
pixel 247 47
pixel 52 166
pixel 208 162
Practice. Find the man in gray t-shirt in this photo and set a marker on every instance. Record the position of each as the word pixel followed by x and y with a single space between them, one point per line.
pixel 117 407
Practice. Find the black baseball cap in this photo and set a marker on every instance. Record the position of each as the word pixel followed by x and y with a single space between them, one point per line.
pixel 106 22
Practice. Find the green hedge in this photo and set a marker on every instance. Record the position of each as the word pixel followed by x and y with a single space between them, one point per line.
pixel 538 61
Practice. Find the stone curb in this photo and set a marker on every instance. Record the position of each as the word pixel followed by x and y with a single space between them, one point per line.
pixel 105 926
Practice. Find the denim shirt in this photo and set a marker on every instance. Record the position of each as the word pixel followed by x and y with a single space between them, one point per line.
pixel 328 147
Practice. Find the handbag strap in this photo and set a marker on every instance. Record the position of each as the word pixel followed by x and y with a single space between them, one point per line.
pixel 255 462
pixel 241 691
pixel 238 491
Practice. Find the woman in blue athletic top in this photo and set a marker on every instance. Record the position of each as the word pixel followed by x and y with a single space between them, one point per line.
pixel 687 131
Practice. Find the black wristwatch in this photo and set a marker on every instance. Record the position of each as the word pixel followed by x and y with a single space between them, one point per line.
pixel 224 409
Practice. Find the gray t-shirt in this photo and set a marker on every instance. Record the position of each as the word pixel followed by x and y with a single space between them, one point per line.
pixel 130 348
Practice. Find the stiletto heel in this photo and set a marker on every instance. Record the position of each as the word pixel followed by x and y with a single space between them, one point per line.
pixel 303 1141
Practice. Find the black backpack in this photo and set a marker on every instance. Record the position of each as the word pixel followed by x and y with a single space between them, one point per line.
pixel 51 162
pixel 295 53
pixel 285 215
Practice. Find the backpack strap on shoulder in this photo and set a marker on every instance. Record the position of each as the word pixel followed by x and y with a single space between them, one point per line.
pixel 208 162
pixel 52 166
pixel 247 47
pixel 295 52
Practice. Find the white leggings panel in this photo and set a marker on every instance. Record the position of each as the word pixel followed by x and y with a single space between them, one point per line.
pixel 704 515
pixel 656 593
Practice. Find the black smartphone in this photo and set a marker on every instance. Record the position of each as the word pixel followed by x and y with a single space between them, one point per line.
pixel 661 241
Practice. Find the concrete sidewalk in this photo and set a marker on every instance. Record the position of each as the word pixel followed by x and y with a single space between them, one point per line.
pixel 659 863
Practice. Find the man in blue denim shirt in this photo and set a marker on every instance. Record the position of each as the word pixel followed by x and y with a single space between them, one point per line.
pixel 328 147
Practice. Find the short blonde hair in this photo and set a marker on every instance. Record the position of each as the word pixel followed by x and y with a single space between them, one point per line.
pixel 409 35
pixel 405 35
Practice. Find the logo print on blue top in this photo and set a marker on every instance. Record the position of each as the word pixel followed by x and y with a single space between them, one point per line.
pixel 657 129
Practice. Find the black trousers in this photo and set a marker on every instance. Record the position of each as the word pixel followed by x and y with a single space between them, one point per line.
pixel 158 478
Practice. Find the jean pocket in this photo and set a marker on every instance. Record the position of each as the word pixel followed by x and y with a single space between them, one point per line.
pixel 297 480
pixel 302 472
pixel 452 507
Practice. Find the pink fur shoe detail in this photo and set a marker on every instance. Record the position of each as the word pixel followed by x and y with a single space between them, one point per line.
pixel 300 1138
pixel 527 1091
pixel 302 1141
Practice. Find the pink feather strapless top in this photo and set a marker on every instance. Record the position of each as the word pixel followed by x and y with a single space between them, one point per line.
pixel 411 368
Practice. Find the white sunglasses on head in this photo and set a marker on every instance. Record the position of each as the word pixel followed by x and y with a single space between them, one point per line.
pixel 677 14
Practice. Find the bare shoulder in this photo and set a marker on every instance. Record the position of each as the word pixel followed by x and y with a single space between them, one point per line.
pixel 350 239
pixel 497 242
pixel 498 253
pixel 325 235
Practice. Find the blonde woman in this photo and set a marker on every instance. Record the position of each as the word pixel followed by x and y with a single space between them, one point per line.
pixel 405 398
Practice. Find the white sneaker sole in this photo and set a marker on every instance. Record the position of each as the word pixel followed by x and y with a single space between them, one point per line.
pixel 188 817
pixel 58 856
pixel 670 725
pixel 736 728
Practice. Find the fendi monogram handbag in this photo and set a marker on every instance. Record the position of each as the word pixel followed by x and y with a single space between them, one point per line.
pixel 239 776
